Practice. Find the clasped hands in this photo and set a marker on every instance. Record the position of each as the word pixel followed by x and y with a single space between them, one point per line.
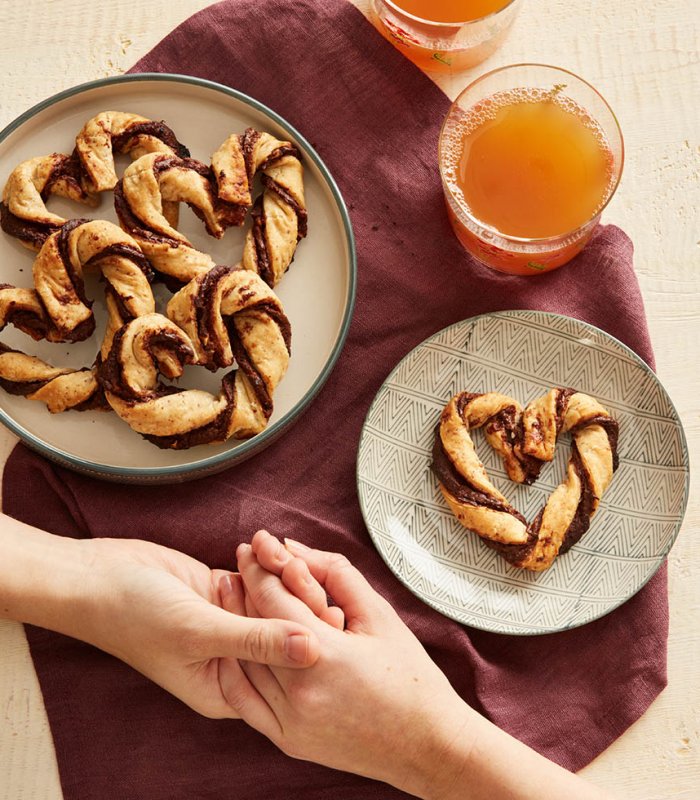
pixel 263 644
pixel 346 685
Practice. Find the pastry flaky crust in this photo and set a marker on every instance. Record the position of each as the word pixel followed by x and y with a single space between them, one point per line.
pixel 121 132
pixel 79 176
pixel 229 314
pixel 23 212
pixel 58 310
pixel 279 214
pixel 221 195
pixel 525 439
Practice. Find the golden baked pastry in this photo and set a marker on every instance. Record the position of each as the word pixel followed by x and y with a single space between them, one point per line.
pixel 61 389
pixel 120 132
pixel 525 439
pixel 279 214
pixel 227 314
pixel 58 310
pixel 221 196
pixel 23 212
pixel 234 315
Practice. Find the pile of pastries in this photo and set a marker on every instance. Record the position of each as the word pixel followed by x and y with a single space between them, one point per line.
pixel 218 316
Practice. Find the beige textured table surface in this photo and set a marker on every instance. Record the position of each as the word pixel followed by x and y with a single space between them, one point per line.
pixel 644 58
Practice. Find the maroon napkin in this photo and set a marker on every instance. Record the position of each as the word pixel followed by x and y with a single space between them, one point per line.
pixel 374 118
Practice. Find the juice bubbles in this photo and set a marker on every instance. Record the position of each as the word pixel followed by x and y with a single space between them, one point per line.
pixel 527 172
pixel 445 35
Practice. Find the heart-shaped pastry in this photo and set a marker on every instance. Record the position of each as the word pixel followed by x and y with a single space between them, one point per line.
pixel 525 439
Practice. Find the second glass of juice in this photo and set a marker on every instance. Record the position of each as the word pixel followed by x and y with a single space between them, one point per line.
pixel 445 35
pixel 529 157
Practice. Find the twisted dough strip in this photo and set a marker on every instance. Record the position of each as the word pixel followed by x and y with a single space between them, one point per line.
pixel 58 310
pixel 139 198
pixel 525 439
pixel 120 132
pixel 253 329
pixel 221 196
pixel 80 176
pixel 279 214
pixel 23 212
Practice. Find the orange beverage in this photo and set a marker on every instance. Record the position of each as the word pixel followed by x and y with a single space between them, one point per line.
pixel 451 10
pixel 445 35
pixel 527 170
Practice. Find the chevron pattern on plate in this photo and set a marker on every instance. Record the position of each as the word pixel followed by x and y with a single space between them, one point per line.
pixel 522 354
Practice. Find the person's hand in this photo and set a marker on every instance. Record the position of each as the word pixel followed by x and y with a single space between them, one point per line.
pixel 371 702
pixel 155 608
pixel 160 611
pixel 374 703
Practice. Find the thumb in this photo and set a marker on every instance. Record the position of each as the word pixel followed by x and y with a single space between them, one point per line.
pixel 275 642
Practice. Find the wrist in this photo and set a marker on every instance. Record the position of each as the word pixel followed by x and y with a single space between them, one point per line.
pixel 441 758
pixel 45 578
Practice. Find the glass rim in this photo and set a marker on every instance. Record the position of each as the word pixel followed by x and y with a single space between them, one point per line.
pixel 435 23
pixel 538 240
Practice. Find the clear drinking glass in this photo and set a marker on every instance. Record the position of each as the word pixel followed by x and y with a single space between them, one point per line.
pixel 443 46
pixel 484 103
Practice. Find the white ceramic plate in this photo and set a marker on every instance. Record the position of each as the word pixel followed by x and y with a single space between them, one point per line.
pixel 522 354
pixel 317 293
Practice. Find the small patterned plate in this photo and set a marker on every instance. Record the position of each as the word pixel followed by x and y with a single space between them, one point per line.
pixel 522 354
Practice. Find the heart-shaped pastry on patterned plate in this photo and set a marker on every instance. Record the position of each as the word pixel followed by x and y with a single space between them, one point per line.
pixel 525 439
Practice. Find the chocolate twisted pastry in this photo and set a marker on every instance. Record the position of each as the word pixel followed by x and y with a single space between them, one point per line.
pixel 120 132
pixel 525 439
pixel 154 179
pixel 232 314
pixel 59 311
pixel 58 276
pixel 279 214
pixel 60 388
pixel 23 212
pixel 80 176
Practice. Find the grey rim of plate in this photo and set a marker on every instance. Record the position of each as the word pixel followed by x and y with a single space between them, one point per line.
pixel 437 559
pixel 206 466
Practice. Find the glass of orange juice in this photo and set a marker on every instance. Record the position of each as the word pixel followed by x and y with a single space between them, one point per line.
pixel 445 35
pixel 529 155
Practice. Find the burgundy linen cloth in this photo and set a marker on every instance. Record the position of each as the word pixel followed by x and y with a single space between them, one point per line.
pixel 374 119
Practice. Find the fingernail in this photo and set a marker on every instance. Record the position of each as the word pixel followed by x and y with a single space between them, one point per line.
pixel 226 587
pixel 281 554
pixel 306 575
pixel 296 648
pixel 293 546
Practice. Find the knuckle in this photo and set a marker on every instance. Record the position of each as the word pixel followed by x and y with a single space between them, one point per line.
pixel 236 697
pixel 258 643
pixel 339 562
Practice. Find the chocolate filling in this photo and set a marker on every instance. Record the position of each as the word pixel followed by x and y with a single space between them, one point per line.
pixel 127 251
pixel 110 371
pixel 459 487
pixel 248 368
pixel 157 129
pixel 34 325
pixel 248 141
pixel 561 405
pixel 34 233
pixel 610 426
pixel 582 518
pixel 280 152
pixel 283 194
pixel 259 239
pixel 206 313
pixel 69 169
